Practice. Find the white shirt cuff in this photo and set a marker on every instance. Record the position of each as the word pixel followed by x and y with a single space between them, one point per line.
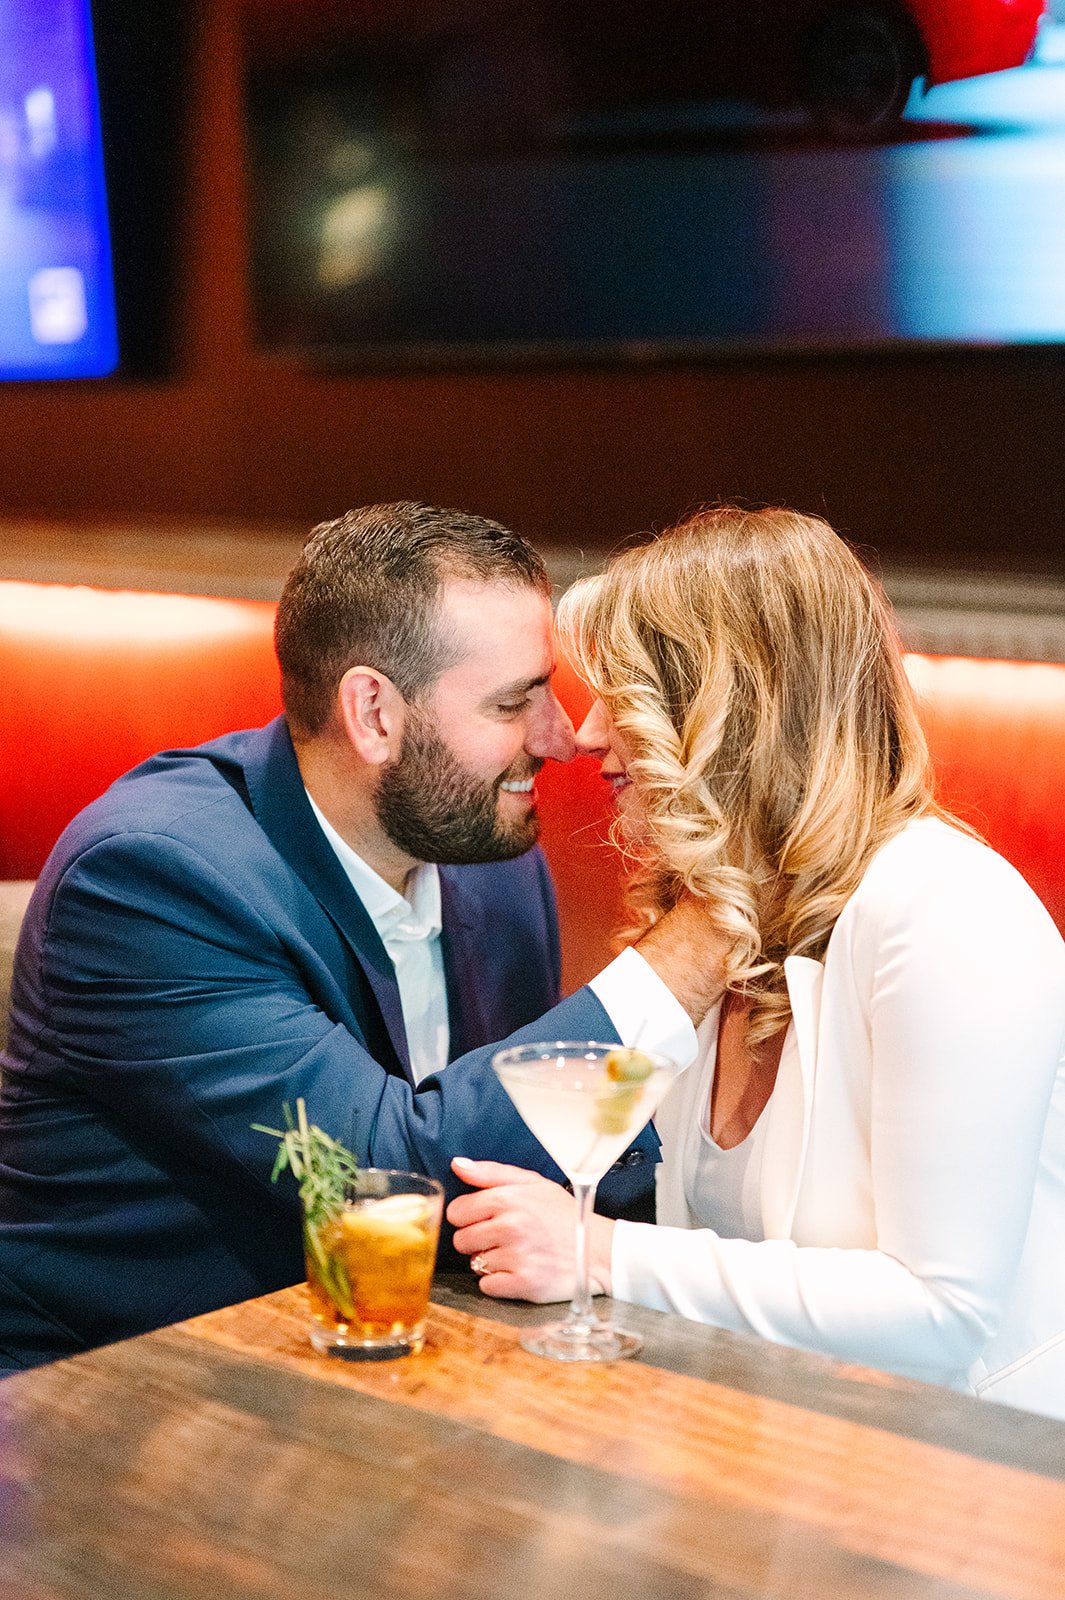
pixel 643 1010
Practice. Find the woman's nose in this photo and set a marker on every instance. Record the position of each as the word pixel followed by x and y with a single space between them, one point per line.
pixel 593 735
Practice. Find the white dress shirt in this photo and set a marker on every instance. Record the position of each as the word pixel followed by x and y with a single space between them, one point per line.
pixel 409 927
pixel 638 1003
pixel 643 1010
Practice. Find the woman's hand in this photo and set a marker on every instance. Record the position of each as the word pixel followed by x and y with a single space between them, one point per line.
pixel 523 1226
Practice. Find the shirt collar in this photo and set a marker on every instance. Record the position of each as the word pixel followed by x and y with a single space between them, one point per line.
pixel 413 915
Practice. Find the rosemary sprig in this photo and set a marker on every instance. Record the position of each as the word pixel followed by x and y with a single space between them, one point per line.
pixel 323 1168
pixel 321 1165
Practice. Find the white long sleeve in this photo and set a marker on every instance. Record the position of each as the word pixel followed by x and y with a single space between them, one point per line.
pixel 932 1184
pixel 643 1010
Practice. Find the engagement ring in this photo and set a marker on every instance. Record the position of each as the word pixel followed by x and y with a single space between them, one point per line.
pixel 478 1263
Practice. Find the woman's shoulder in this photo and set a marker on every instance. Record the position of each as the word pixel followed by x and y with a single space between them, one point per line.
pixel 937 871
pixel 932 844
pixel 938 913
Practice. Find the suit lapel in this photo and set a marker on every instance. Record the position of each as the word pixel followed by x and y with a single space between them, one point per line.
pixel 279 802
pixel 463 934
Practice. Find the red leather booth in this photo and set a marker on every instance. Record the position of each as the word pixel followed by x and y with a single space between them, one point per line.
pixel 95 680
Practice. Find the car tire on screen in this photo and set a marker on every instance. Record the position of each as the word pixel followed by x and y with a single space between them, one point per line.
pixel 859 65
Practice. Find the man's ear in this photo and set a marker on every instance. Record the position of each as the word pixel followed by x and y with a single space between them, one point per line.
pixel 372 711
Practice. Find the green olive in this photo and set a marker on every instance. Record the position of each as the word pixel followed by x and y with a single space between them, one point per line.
pixel 626 1065
pixel 614 1109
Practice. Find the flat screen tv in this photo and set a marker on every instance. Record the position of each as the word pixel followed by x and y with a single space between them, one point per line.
pixel 453 180
pixel 57 299
pixel 85 151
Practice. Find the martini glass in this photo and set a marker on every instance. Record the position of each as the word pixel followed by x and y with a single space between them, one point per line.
pixel 585 1102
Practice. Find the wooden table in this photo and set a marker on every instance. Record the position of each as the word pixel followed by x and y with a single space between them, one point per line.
pixel 223 1458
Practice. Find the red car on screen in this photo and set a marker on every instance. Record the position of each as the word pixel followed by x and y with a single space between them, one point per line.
pixel 859 62
pixel 852 63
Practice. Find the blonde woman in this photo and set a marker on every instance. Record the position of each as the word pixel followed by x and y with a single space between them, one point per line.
pixel 866 1156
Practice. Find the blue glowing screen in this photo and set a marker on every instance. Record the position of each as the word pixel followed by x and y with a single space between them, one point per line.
pixel 57 303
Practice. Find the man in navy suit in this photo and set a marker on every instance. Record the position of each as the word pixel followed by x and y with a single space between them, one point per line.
pixel 345 906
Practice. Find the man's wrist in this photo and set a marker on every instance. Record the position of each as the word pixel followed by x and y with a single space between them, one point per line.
pixel 642 1010
pixel 684 949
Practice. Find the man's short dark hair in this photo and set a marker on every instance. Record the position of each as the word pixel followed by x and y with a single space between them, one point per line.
pixel 366 590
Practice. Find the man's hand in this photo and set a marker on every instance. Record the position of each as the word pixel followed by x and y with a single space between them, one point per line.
pixel 523 1226
pixel 686 949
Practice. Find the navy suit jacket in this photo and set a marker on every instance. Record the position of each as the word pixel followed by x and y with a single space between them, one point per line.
pixel 193 958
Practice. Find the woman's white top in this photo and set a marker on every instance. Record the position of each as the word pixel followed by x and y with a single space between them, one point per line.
pixel 911 1184
pixel 722 1188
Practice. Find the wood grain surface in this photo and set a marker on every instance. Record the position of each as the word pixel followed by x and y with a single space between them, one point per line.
pixel 223 1457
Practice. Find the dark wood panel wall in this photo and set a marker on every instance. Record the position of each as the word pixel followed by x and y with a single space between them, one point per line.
pixel 935 458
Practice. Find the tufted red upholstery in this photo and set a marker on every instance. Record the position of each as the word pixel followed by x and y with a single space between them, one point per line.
pixel 94 681
pixel 996 730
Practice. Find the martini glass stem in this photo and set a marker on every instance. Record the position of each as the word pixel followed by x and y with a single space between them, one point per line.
pixel 581 1312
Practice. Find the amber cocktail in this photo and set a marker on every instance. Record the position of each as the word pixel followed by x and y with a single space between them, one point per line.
pixel 370 1265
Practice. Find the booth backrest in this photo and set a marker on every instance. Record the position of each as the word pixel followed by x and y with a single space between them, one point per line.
pixel 14 897
pixel 996 730
pixel 95 680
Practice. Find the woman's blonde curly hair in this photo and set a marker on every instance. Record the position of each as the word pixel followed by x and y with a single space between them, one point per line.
pixel 752 669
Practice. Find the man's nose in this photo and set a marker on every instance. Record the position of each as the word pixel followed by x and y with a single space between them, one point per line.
pixel 551 732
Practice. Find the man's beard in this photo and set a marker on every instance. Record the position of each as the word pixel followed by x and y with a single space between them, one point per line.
pixel 432 808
